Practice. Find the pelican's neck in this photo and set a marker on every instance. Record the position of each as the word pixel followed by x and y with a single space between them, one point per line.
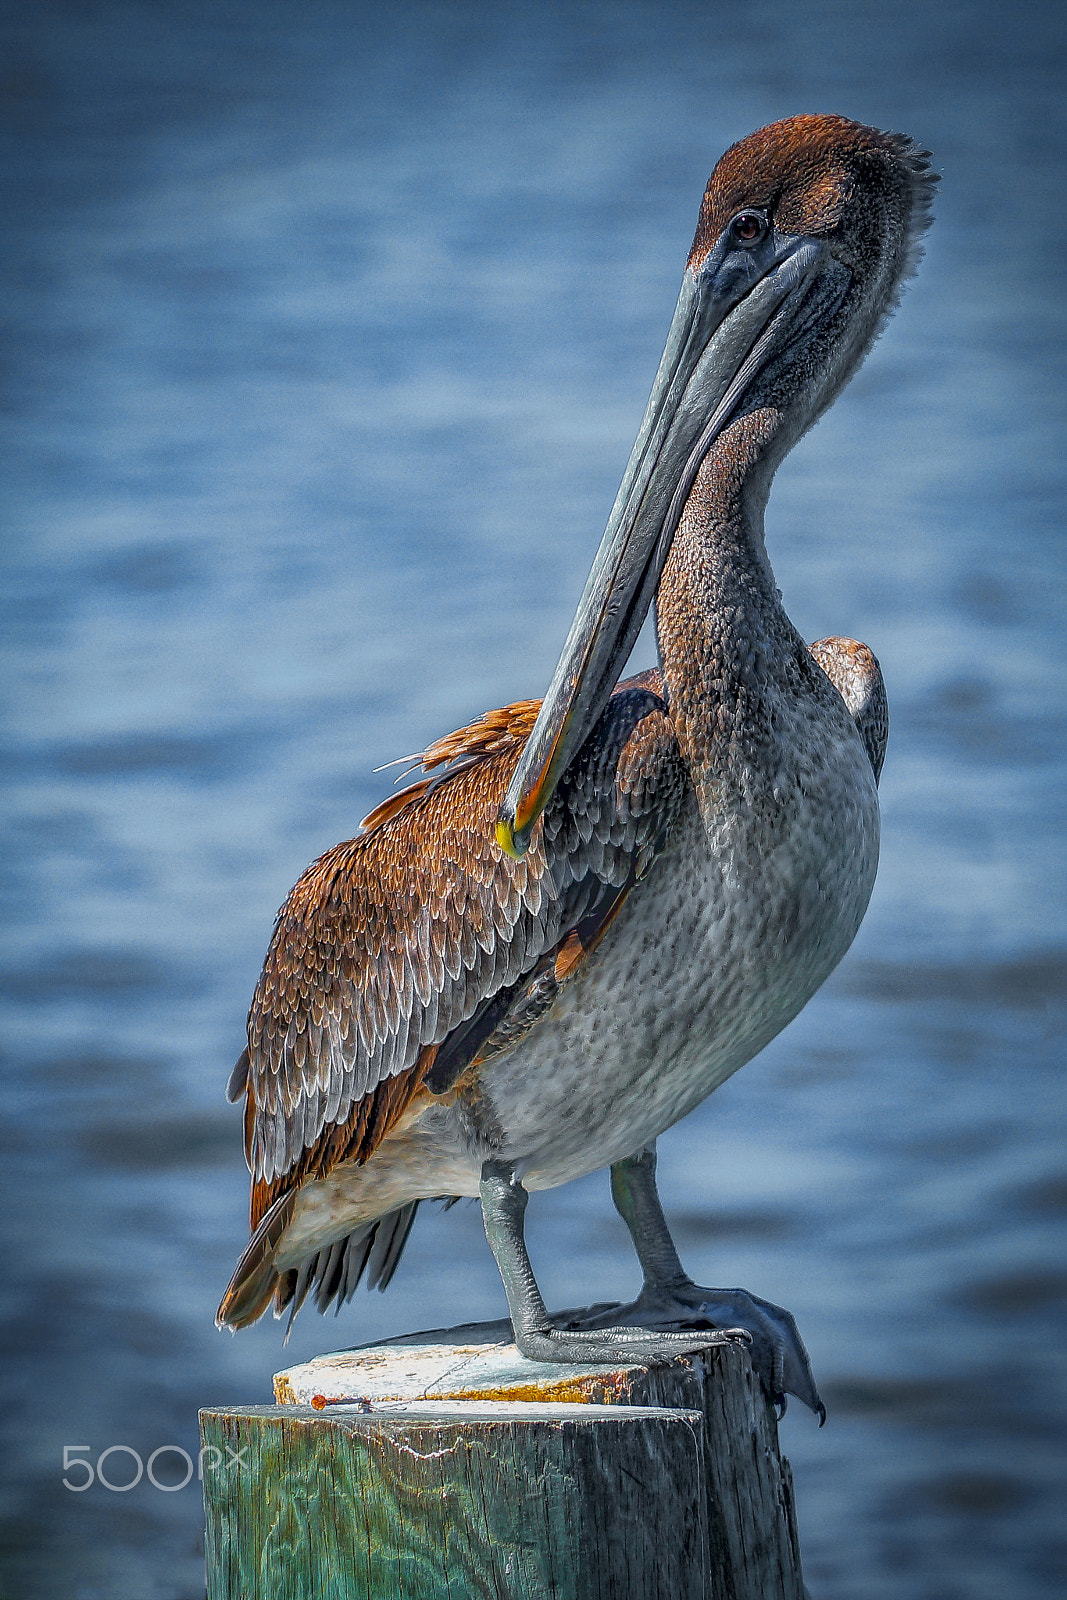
pixel 725 642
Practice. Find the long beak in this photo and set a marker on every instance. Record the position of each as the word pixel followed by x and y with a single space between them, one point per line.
pixel 716 348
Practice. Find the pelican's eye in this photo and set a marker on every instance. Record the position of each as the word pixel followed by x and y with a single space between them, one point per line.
pixel 748 227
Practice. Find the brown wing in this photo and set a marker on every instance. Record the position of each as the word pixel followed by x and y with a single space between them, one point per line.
pixel 397 941
pixel 854 672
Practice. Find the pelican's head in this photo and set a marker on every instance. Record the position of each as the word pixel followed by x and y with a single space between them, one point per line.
pixel 843 204
pixel 807 230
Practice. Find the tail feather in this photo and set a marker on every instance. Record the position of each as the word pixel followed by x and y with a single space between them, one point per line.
pixel 330 1270
pixel 335 1272
pixel 389 1245
pixel 299 1294
pixel 330 1275
pixel 255 1278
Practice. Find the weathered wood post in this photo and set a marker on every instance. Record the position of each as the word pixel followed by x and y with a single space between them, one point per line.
pixel 445 1466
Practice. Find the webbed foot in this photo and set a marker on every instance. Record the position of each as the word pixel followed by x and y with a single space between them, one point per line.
pixel 775 1345
pixel 671 1317
pixel 611 1343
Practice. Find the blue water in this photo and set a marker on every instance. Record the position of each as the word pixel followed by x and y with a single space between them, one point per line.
pixel 328 335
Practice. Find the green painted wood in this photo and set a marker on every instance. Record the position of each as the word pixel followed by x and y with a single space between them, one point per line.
pixel 751 1519
pixel 458 1469
pixel 471 1501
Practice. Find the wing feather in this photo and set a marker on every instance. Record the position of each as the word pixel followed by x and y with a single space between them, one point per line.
pixel 392 942
pixel 853 670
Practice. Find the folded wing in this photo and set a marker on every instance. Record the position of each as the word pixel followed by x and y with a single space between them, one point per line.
pixel 408 953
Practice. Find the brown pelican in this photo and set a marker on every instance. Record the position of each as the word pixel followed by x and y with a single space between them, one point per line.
pixel 531 963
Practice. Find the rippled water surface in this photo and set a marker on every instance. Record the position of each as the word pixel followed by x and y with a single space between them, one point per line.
pixel 328 335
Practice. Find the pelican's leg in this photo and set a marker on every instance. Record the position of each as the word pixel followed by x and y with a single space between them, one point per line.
pixel 503 1208
pixel 670 1297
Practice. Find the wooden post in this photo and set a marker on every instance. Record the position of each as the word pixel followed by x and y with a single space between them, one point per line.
pixel 445 1466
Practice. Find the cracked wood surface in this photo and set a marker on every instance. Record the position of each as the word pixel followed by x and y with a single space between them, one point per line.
pixel 446 1465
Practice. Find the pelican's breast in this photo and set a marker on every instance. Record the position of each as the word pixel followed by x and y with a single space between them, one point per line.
pixel 735 927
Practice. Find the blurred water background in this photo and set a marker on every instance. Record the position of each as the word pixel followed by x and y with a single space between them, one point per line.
pixel 328 332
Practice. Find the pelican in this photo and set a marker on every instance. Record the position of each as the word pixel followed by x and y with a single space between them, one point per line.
pixel 593 909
